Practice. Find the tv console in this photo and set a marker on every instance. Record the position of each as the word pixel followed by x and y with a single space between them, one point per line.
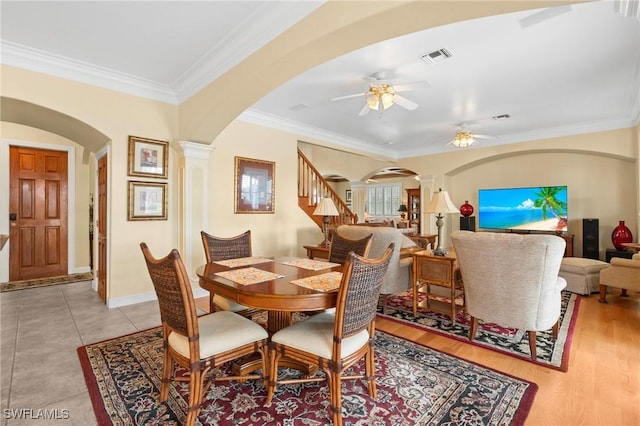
pixel 568 238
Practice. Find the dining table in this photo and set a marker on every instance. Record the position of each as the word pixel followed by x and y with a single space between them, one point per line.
pixel 278 285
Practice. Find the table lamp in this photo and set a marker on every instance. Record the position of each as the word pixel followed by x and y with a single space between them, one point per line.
pixel 325 209
pixel 440 203
pixel 403 210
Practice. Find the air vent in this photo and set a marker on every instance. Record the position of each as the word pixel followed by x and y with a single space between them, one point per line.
pixel 436 56
pixel 501 117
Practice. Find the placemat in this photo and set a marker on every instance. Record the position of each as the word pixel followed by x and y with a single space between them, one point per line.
pixel 323 282
pixel 314 265
pixel 246 276
pixel 243 261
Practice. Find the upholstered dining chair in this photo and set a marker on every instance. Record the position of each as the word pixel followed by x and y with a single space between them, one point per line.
pixel 341 246
pixel 511 280
pixel 221 248
pixel 334 341
pixel 197 343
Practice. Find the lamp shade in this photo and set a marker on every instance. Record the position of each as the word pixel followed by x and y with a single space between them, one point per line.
pixel 402 208
pixel 326 208
pixel 441 203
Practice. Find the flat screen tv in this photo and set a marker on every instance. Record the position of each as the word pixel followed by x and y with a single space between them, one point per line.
pixel 539 208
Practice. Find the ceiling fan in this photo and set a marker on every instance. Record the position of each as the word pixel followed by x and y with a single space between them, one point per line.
pixel 381 96
pixel 465 138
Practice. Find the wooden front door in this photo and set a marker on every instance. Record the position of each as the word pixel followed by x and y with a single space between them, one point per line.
pixel 102 228
pixel 37 213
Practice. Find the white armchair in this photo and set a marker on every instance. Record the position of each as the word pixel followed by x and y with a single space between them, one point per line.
pixel 511 280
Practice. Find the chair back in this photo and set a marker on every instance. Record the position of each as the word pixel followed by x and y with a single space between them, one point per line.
pixel 219 248
pixel 511 279
pixel 170 281
pixel 359 292
pixel 341 246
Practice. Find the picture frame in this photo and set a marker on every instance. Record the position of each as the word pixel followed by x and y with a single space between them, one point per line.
pixel 347 197
pixel 148 157
pixel 147 200
pixel 254 186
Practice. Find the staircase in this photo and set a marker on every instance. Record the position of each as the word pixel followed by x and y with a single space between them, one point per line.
pixel 312 188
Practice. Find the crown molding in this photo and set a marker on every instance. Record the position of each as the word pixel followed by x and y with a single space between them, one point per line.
pixel 21 56
pixel 350 144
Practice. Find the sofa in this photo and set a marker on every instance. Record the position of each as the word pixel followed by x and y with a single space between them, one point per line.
pixel 622 273
pixel 399 273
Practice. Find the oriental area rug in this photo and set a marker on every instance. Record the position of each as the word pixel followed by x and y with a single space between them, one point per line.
pixel 415 386
pixel 509 341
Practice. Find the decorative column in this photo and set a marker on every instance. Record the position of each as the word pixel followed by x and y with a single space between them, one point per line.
pixel 358 199
pixel 427 221
pixel 193 182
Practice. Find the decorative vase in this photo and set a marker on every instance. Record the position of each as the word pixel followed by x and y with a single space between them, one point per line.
pixel 466 209
pixel 621 234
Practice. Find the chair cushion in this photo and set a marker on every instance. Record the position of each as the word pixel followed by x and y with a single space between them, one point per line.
pixel 220 332
pixel 315 336
pixel 582 266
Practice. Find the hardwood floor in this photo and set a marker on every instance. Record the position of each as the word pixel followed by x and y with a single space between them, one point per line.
pixel 602 385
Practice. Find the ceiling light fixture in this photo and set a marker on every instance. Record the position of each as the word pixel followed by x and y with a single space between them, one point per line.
pixel 463 139
pixel 380 98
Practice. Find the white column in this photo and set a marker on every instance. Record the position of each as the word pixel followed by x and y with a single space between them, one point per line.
pixel 358 199
pixel 427 221
pixel 193 165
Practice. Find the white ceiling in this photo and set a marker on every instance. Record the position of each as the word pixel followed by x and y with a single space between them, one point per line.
pixel 559 71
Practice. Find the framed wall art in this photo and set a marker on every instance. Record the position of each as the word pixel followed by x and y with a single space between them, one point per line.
pixel 147 201
pixel 254 186
pixel 148 157
pixel 347 196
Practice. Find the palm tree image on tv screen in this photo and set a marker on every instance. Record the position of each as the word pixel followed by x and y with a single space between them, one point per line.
pixel 538 208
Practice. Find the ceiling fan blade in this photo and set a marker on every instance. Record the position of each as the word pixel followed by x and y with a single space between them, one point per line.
pixel 404 102
pixel 373 82
pixel 414 85
pixel 364 111
pixel 355 95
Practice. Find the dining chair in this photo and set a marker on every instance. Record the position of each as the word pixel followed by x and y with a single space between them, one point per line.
pixel 334 341
pixel 221 248
pixel 197 343
pixel 341 246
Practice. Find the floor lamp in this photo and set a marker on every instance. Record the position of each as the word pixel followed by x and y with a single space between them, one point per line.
pixel 325 209
pixel 440 203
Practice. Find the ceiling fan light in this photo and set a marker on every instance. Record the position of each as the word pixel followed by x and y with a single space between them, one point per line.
pixel 387 100
pixel 372 101
pixel 463 140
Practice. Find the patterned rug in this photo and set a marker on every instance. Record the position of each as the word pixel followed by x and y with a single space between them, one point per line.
pixel 45 282
pixel 551 353
pixel 416 386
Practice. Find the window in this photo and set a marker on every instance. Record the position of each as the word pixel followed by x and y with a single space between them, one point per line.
pixel 383 199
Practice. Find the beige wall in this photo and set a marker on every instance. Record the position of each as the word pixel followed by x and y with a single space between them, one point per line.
pixel 117 116
pixel 600 170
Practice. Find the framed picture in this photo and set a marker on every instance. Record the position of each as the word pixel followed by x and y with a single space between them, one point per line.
pixel 147 201
pixel 148 157
pixel 347 197
pixel 254 186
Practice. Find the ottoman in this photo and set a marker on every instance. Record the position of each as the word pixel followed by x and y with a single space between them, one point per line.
pixel 582 275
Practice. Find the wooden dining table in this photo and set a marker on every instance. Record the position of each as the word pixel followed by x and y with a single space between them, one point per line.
pixel 279 297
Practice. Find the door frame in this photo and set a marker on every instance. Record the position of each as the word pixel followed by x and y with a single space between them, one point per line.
pixel 106 151
pixel 71 201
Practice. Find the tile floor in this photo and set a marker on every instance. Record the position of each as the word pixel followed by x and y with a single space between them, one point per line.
pixel 40 330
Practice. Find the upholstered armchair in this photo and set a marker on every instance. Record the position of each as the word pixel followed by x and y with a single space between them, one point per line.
pixel 399 273
pixel 511 280
pixel 622 273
